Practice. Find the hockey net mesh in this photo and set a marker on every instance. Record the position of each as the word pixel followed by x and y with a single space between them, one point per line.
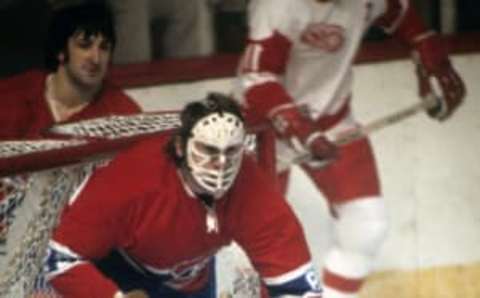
pixel 30 205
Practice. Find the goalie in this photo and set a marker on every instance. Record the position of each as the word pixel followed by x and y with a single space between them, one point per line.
pixel 296 73
pixel 150 222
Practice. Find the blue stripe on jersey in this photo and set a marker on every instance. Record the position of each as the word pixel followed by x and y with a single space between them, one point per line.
pixel 58 260
pixel 308 282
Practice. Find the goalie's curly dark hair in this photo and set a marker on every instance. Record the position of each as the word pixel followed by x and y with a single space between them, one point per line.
pixel 194 111
pixel 91 17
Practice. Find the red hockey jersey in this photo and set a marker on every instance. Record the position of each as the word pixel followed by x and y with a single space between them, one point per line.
pixel 139 204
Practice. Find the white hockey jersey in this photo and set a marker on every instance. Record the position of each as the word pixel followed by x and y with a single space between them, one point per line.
pixel 308 47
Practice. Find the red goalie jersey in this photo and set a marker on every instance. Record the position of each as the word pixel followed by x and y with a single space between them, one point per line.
pixel 138 205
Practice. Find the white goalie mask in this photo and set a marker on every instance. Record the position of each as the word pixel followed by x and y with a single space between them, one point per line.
pixel 214 151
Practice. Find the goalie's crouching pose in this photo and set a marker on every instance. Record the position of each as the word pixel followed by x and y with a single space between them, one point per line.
pixel 150 222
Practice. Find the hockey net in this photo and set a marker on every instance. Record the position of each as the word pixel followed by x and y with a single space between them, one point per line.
pixel 38 177
pixel 29 209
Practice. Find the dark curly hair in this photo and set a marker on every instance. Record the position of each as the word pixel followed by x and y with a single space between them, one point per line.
pixel 194 111
pixel 91 17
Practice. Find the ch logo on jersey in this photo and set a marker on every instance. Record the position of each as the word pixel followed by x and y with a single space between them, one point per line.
pixel 186 271
pixel 323 36
pixel 190 269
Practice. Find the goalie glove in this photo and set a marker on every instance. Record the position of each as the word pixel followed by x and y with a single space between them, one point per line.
pixel 438 81
pixel 301 132
pixel 429 51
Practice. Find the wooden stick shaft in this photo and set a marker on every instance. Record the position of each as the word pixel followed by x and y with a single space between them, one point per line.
pixel 375 125
pixel 382 122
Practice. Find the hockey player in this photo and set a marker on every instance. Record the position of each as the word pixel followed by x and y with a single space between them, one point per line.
pixel 296 73
pixel 150 223
pixel 79 47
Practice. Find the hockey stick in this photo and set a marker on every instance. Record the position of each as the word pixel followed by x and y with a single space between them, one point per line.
pixel 347 137
pixel 383 122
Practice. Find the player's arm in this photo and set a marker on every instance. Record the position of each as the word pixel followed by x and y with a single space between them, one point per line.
pixel 431 56
pixel 260 70
pixel 273 238
pixel 73 275
pixel 263 95
pixel 69 270
pixel 94 223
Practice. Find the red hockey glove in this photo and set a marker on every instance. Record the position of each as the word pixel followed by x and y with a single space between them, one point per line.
pixel 301 132
pixel 435 71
